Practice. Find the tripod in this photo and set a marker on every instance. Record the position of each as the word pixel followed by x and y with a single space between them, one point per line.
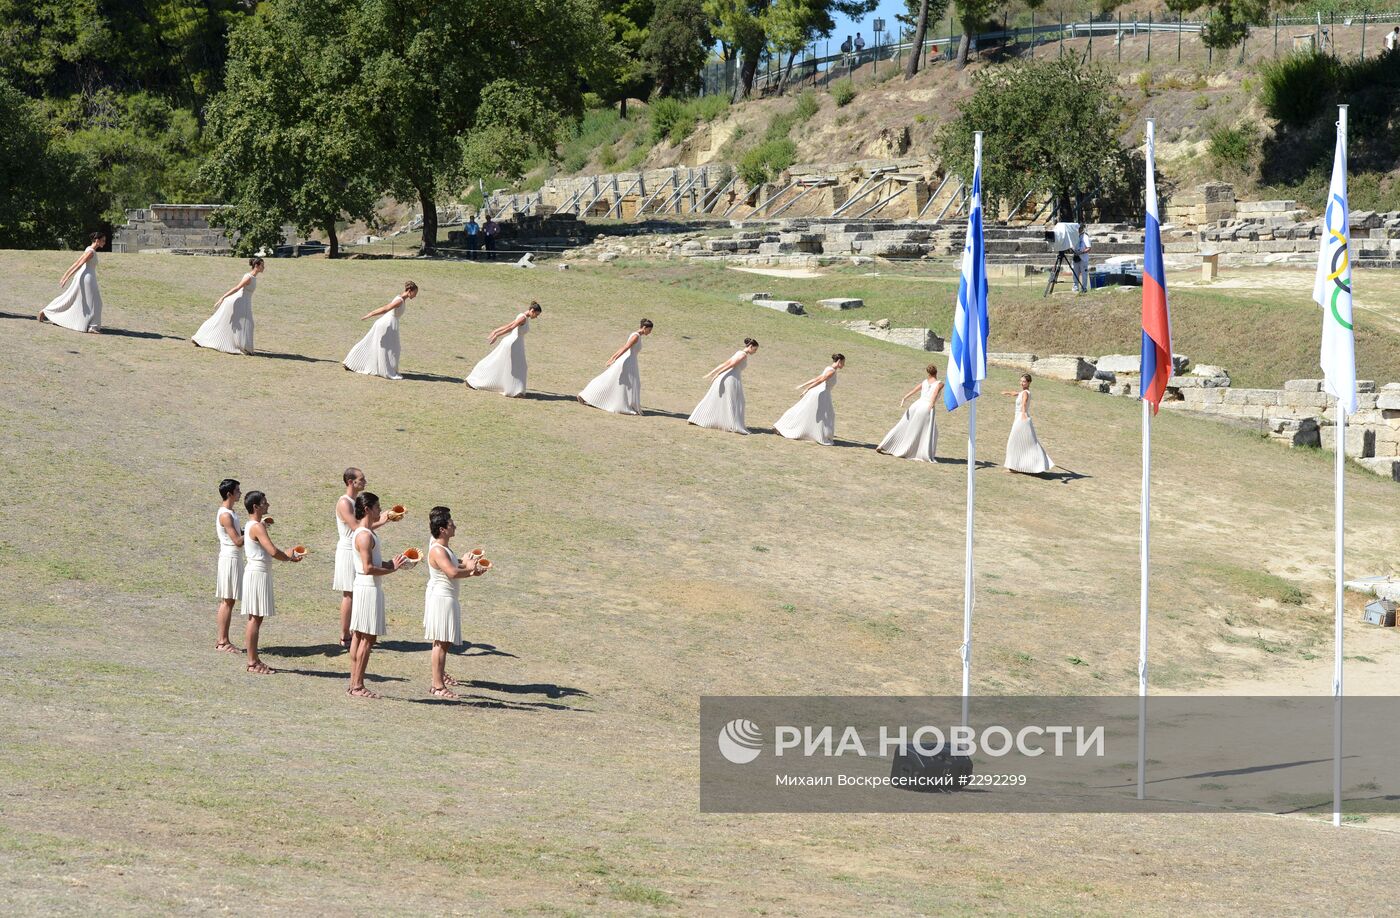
pixel 1062 260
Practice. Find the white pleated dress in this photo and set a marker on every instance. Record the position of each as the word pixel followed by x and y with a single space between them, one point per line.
pixel 377 354
pixel 503 370
pixel 722 408
pixel 230 328
pixel 915 436
pixel 367 613
pixel 257 578
pixel 228 582
pixel 442 608
pixel 344 581
pixel 79 306
pixel 813 417
pixel 619 387
pixel 1023 450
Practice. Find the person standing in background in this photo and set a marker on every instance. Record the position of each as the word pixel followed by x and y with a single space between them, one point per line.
pixel 473 231
pixel 489 231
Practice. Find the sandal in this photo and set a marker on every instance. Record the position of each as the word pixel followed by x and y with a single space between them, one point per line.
pixel 345 642
pixel 228 647
pixel 443 692
pixel 448 680
pixel 360 692
pixel 260 668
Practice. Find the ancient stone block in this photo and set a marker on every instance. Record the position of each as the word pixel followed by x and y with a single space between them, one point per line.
pixel 1385 467
pixel 1016 361
pixel 1302 385
pixel 750 297
pixel 839 303
pixel 1063 366
pixel 1120 363
pixel 791 307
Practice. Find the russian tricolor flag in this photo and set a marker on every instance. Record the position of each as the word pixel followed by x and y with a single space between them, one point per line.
pixel 1156 320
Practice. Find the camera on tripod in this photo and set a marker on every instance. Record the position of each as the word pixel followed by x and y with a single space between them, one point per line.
pixel 1063 237
pixel 1064 240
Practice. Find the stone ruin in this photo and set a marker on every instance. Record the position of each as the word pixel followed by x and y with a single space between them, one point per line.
pixel 181 229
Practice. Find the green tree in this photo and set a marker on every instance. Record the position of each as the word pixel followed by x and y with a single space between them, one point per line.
pixel 1227 21
pixel 918 14
pixel 676 47
pixel 138 147
pixel 620 72
pixel 972 16
pixel 172 48
pixel 423 68
pixel 290 143
pixel 46 196
pixel 748 28
pixel 1048 127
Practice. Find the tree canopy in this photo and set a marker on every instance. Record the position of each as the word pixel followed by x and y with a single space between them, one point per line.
pixel 1049 127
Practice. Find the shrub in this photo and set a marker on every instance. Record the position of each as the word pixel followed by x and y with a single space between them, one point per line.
pixel 607 157
pixel 1202 102
pixel 807 105
pixel 665 114
pixel 844 92
pixel 708 108
pixel 766 160
pixel 1295 88
pixel 1234 147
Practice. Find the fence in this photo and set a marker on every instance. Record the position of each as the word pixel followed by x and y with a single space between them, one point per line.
pixel 1131 40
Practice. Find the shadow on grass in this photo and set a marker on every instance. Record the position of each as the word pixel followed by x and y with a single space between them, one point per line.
pixel 487 702
pixel 662 413
pixel 299 358
pixel 132 333
pixel 328 674
pixel 548 689
pixel 433 377
pixel 16 315
pixel 468 649
pixel 310 650
pixel 548 397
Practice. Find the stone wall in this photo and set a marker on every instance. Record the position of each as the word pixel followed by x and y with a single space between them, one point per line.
pixel 1299 414
pixel 178 228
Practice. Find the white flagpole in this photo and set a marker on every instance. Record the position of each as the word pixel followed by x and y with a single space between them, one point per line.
pixel 1142 611
pixel 971 491
pixel 1337 660
pixel 1336 665
pixel 967 567
pixel 1339 513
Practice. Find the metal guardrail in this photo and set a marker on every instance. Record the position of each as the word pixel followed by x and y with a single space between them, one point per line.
pixel 808 64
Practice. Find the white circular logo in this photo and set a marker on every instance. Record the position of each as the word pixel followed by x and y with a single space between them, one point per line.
pixel 740 741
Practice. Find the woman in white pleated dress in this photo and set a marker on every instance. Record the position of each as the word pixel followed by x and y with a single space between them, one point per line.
pixel 915 436
pixel 442 607
pixel 722 408
pixel 368 617
pixel 79 306
pixel 1023 450
pixel 814 416
pixel 619 388
pixel 228 579
pixel 377 353
pixel 345 525
pixel 503 370
pixel 257 575
pixel 230 328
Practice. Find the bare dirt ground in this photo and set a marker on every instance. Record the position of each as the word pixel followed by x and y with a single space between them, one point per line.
pixel 641 564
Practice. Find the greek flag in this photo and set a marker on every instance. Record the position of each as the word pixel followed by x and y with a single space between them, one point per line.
pixel 967 352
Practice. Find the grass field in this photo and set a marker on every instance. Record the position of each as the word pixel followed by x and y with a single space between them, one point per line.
pixel 641 564
pixel 1256 322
